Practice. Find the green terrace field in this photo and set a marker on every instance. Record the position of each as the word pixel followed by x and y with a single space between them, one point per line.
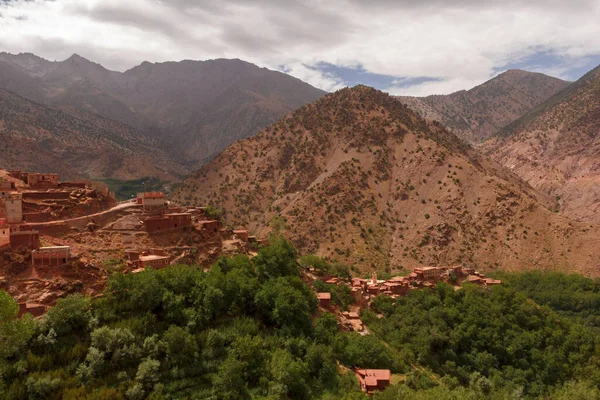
pixel 249 328
pixel 128 189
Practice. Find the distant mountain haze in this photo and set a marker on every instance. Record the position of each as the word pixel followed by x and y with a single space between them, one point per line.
pixel 193 109
pixel 476 114
pixel 79 144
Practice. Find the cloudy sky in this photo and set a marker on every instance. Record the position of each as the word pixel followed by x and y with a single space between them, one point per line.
pixel 415 47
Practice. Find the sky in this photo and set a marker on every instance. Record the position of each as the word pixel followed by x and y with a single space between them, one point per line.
pixel 407 47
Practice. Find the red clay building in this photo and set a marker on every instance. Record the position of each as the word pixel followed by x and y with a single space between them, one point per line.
pixel 426 273
pixel 12 208
pixel 491 282
pixel 324 299
pixel 152 201
pixel 153 261
pixel 373 379
pixel 209 226
pixel 475 279
pixel 155 258
pixel 34 309
pixel 29 239
pixel 241 234
pixel 42 181
pixel 5 187
pixel 167 222
pixel 53 256
pixel 4 232
pixel 16 174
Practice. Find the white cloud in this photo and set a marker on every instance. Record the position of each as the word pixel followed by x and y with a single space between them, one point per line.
pixel 325 81
pixel 435 87
pixel 461 43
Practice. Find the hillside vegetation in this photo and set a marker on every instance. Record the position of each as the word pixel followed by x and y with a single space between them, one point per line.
pixel 249 329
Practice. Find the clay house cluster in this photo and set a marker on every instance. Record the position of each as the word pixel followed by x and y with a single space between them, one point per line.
pixel 34 201
pixel 15 233
pixel 158 216
pixel 422 277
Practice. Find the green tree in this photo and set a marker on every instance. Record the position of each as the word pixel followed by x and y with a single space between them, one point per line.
pixel 70 314
pixel 14 332
pixel 278 259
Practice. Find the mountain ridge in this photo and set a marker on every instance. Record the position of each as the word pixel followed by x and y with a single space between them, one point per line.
pixel 476 114
pixel 556 147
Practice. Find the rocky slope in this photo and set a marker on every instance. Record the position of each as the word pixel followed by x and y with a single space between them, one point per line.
pixel 476 114
pixel 77 144
pixel 556 148
pixel 361 178
pixel 195 108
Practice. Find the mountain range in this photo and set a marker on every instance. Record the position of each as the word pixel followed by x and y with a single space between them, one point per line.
pixel 502 175
pixel 360 178
pixel 192 109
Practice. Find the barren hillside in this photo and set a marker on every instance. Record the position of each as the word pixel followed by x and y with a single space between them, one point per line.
pixel 476 114
pixel 360 178
pixel 556 148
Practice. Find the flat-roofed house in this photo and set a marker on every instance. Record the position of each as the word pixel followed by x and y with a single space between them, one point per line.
pixel 324 299
pixel 427 273
pixel 152 201
pixel 42 181
pixel 6 187
pixel 475 279
pixel 153 261
pixel 372 380
pixel 167 222
pixel 52 255
pixel 25 238
pixel 241 234
pixel 491 282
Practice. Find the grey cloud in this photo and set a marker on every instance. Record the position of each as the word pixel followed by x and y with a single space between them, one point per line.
pixel 242 38
pixel 472 4
pixel 289 22
pixel 137 18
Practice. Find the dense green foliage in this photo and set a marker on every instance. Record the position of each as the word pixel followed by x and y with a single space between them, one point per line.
pixel 244 329
pixel 249 328
pixel 496 336
pixel 125 190
pixel 572 296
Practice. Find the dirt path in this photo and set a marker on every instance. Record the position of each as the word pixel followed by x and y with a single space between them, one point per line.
pixel 121 206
